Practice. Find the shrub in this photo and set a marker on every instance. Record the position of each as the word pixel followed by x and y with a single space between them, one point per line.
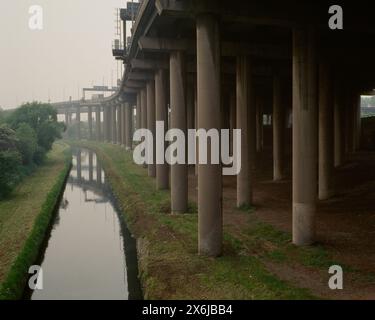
pixel 27 143
pixel 10 163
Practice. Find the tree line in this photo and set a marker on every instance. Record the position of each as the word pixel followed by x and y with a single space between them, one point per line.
pixel 26 135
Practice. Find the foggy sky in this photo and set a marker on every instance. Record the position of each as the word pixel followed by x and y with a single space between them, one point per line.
pixel 74 49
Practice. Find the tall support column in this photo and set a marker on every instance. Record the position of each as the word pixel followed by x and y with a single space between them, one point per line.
pixel 278 125
pixel 120 125
pixel 123 124
pixel 179 172
pixel 210 219
pixel 129 126
pixel 66 118
pixel 162 170
pixel 359 123
pixel 89 116
pixel 98 122
pixel 151 123
pixel 259 123
pixel 144 111
pixel 305 135
pixel 114 122
pixel 338 126
pixel 109 124
pixel 244 194
pixel 233 118
pixel 78 120
pixel 138 112
pixel 326 140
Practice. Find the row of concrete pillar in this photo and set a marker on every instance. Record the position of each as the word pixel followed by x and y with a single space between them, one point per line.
pixel 317 131
pixel 117 125
pixel 318 127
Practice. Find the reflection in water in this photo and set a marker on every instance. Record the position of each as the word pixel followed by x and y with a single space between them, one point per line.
pixel 90 253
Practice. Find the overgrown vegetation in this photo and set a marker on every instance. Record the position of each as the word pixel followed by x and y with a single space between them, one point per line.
pixel 26 135
pixel 25 218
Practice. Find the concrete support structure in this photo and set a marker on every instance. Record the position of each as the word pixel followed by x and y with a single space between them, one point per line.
pixel 179 172
pixel 114 124
pixel 259 123
pixel 326 139
pixel 210 219
pixel 106 124
pixel 305 112
pixel 120 125
pixel 138 112
pixel 144 111
pixel 243 83
pixel 98 124
pixel 338 125
pixel 162 170
pixel 128 110
pixel 151 123
pixel 78 120
pixel 233 118
pixel 278 126
pixel 67 118
pixel 89 116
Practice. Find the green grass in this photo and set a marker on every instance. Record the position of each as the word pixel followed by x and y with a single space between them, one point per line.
pixel 25 218
pixel 169 264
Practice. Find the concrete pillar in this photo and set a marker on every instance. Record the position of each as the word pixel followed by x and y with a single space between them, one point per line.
pixel 259 123
pixel 278 121
pixel 338 125
pixel 105 123
pixel 129 126
pixel 78 120
pixel 89 116
pixel 210 219
pixel 243 83
pixel 98 124
pixel 305 135
pixel 151 122
pixel 120 125
pixel 233 118
pixel 114 124
pixel 66 118
pixel 138 113
pixel 179 172
pixel 326 140
pixel 190 105
pixel 162 170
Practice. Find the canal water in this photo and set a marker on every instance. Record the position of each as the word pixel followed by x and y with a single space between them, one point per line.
pixel 90 253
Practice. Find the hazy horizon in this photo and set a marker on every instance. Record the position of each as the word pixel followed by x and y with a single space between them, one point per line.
pixel 71 52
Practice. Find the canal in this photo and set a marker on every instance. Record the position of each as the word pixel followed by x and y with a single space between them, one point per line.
pixel 90 253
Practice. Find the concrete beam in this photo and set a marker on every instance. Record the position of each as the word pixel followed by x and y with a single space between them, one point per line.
pixel 149 64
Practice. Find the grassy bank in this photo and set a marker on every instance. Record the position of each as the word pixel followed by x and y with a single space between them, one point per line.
pixel 25 217
pixel 167 244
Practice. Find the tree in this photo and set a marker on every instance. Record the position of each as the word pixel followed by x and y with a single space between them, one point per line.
pixel 10 161
pixel 27 143
pixel 40 117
